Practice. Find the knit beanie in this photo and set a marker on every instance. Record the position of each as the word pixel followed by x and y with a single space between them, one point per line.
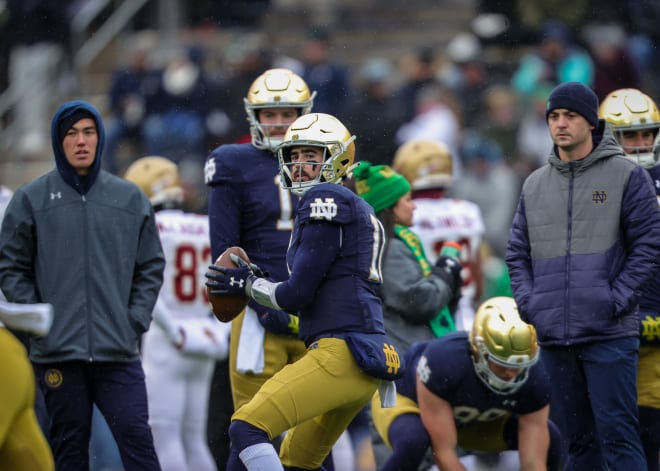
pixel 577 97
pixel 379 185
pixel 67 122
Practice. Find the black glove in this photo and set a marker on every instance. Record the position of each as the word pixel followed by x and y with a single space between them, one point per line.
pixel 233 281
pixel 449 270
pixel 277 322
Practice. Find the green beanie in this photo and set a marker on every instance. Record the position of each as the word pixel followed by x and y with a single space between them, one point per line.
pixel 379 185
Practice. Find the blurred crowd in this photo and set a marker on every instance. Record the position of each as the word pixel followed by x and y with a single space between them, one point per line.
pixel 488 107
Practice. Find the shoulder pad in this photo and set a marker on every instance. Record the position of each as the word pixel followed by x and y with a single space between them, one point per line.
pixel 328 202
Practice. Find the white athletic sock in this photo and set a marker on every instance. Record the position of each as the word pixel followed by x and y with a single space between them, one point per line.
pixel 261 457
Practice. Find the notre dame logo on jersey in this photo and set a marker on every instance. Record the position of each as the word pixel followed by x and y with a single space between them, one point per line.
pixel 375 355
pixel 323 209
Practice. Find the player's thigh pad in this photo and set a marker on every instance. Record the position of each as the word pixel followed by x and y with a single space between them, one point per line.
pixel 324 379
pixel 279 351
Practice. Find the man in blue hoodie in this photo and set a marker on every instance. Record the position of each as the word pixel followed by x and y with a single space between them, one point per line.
pixel 85 241
pixel 584 239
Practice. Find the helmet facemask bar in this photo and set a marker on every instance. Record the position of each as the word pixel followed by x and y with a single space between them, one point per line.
pixel 644 156
pixel 628 110
pixel 332 168
pixel 261 138
pixel 522 363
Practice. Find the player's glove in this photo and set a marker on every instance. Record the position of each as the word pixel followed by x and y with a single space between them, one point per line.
pixel 449 270
pixel 233 281
pixel 278 322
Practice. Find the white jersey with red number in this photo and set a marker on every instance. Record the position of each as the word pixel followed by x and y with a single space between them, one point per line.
pixel 439 220
pixel 185 240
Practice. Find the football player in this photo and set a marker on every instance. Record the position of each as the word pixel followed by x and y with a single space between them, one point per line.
pixel 249 208
pixel 635 121
pixel 334 263
pixel 480 391
pixel 180 348
pixel 23 446
pixel 427 165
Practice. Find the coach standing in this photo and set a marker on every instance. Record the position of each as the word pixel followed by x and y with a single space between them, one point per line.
pixel 85 241
pixel 585 236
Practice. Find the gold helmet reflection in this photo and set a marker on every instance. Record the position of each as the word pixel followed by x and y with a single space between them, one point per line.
pixel 158 178
pixel 317 130
pixel 425 164
pixel 626 110
pixel 275 88
pixel 500 336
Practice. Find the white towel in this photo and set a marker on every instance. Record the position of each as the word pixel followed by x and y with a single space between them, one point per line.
pixel 250 354
pixel 387 393
pixel 35 318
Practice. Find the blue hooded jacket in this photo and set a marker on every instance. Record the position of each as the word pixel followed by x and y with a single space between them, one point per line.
pixel 89 246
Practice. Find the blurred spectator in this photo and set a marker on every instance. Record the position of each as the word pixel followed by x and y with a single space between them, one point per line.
pixel 533 141
pixel 328 78
pixel 614 65
pixel 534 15
pixel 645 38
pixel 131 83
pixel 375 114
pixel 500 120
pixel 557 59
pixel 175 124
pixel 467 75
pixel 490 183
pixel 418 70
pixel 38 35
pixel 437 119
pixel 245 58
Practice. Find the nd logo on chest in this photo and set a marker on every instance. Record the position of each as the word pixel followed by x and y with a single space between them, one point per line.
pixel 599 196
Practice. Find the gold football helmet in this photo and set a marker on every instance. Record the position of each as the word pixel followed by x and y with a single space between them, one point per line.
pixel 158 178
pixel 425 164
pixel 275 88
pixel 630 110
pixel 498 335
pixel 317 130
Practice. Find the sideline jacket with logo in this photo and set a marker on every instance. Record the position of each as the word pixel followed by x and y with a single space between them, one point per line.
pixel 88 245
pixel 585 237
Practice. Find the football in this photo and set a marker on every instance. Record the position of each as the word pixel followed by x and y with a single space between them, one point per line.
pixel 227 307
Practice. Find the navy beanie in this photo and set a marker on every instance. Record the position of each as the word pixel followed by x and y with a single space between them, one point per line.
pixel 67 122
pixel 577 97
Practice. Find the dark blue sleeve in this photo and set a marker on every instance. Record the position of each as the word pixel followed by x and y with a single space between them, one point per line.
pixel 224 219
pixel 641 226
pixel 319 245
pixel 518 258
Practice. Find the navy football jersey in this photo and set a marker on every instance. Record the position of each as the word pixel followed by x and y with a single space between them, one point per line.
pixel 445 367
pixel 334 259
pixel 248 207
pixel 649 297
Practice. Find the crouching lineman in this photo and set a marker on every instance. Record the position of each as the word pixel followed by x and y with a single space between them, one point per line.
pixel 481 390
